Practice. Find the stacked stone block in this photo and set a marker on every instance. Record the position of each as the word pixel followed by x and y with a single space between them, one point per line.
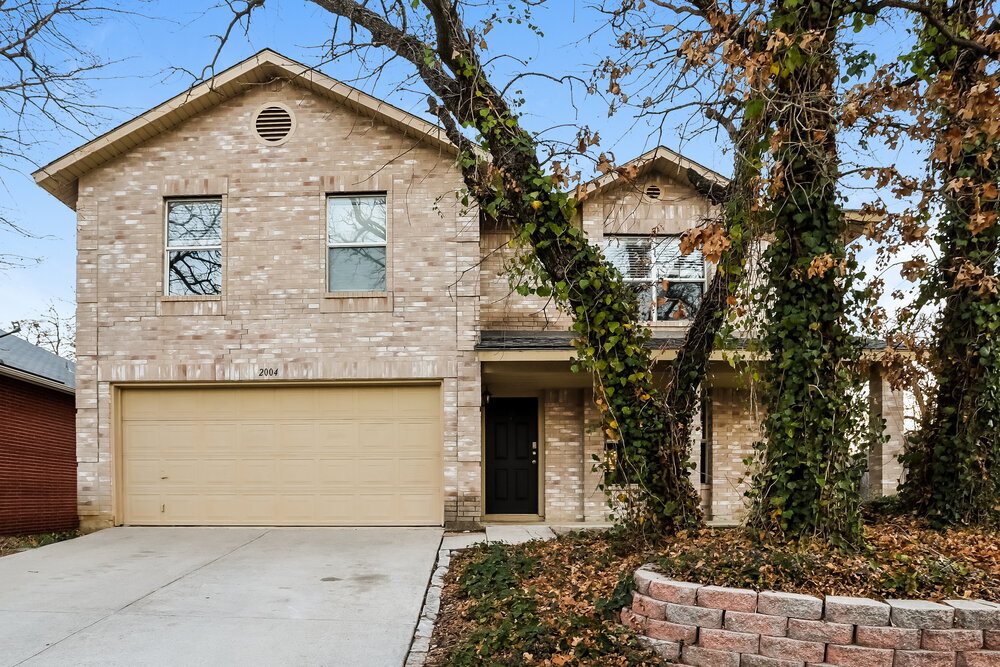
pixel 714 626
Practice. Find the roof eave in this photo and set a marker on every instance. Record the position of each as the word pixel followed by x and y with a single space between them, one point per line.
pixel 31 378
pixel 60 177
pixel 646 160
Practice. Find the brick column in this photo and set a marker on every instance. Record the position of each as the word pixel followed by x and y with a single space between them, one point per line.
pixel 884 469
pixel 563 411
pixel 736 426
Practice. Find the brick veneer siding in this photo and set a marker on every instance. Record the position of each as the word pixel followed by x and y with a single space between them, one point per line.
pixel 595 502
pixel 273 311
pixel 884 469
pixel 37 459
pixel 736 426
pixel 445 285
pixel 710 625
pixel 503 308
pixel 564 455
pixel 620 209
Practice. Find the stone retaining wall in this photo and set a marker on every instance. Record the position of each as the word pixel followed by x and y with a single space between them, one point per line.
pixel 714 626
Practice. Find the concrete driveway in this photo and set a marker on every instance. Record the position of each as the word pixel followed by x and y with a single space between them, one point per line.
pixel 217 596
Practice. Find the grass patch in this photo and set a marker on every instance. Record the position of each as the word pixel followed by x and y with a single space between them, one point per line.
pixel 556 602
pixel 15 544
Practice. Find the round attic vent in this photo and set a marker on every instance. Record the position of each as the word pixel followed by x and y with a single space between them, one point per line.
pixel 653 192
pixel 273 124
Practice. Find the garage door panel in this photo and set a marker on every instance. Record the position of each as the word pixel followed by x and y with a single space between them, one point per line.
pixel 336 472
pixel 250 404
pixel 253 472
pixel 145 507
pixel 142 472
pixel 282 456
pixel 297 508
pixel 414 505
pixel 299 436
pixel 298 472
pixel 297 402
pixel 338 436
pixel 417 404
pixel 378 434
pixel 377 509
pixel 340 508
pixel 216 435
pixel 189 471
pixel 414 471
pixel 375 472
pixel 374 403
pixel 337 405
pixel 256 436
pixel 412 434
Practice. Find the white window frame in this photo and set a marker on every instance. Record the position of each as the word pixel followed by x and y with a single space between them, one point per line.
pixel 653 278
pixel 367 244
pixel 168 248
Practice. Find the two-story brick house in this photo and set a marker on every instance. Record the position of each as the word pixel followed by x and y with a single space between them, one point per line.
pixel 286 317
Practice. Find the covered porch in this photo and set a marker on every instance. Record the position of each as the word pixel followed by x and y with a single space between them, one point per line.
pixel 542 431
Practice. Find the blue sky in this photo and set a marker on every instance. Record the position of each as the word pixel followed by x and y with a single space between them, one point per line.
pixel 162 36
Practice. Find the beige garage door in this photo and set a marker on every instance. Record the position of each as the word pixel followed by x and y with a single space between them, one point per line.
pixel 291 456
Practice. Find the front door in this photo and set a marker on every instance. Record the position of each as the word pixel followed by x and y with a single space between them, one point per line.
pixel 512 456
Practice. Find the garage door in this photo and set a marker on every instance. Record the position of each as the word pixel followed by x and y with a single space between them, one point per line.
pixel 293 456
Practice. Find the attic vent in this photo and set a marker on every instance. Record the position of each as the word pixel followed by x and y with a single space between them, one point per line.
pixel 273 124
pixel 653 192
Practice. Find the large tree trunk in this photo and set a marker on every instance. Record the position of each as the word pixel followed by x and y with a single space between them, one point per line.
pixel 954 461
pixel 688 372
pixel 806 482
pixel 611 342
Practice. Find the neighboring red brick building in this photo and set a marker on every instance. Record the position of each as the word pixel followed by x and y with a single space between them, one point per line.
pixel 37 440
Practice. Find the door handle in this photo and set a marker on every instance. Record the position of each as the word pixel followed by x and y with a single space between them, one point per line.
pixel 534 452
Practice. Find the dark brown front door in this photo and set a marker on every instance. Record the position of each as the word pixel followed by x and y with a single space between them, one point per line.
pixel 512 456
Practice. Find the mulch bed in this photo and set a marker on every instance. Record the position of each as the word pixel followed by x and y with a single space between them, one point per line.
pixel 553 603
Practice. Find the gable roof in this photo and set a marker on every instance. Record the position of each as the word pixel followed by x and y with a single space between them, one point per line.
pixel 676 166
pixel 24 361
pixel 662 159
pixel 60 177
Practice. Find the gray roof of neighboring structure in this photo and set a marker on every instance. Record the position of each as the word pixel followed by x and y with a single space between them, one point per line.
pixel 21 355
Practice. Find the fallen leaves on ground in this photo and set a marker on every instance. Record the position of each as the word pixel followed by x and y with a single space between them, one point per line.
pixel 553 603
pixel 904 559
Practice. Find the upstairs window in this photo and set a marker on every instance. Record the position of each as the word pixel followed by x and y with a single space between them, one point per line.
pixel 194 247
pixel 668 285
pixel 356 243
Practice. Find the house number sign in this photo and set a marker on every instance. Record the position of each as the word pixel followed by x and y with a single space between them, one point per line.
pixel 267 372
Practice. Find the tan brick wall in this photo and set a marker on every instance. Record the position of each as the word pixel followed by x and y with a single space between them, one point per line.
pixel 503 308
pixel 884 469
pixel 622 209
pixel 736 426
pixel 564 455
pixel 595 501
pixel 273 311
pixel 619 209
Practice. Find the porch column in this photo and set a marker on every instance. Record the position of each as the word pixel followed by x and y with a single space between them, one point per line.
pixel 884 469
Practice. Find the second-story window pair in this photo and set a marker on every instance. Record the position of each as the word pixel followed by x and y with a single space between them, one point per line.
pixel 356 245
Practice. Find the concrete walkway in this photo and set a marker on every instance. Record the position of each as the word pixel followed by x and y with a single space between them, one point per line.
pixel 514 533
pixel 217 596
